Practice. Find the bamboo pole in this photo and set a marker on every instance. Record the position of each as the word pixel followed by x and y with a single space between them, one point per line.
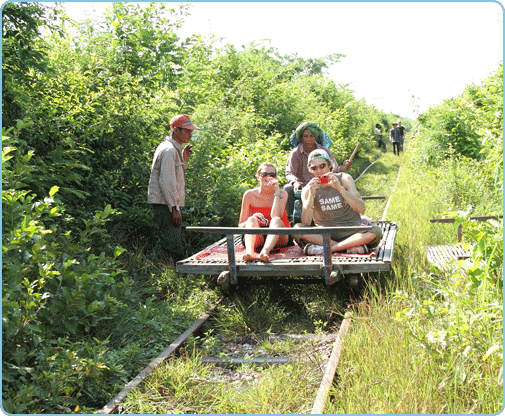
pixel 354 152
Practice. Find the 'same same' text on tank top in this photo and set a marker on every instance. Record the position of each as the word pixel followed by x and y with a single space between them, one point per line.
pixel 332 210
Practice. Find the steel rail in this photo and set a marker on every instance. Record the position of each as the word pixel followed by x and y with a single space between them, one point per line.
pixel 174 346
pixel 392 193
pixel 331 367
pixel 368 167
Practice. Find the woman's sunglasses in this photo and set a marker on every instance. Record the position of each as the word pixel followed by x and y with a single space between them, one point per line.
pixel 321 166
pixel 271 174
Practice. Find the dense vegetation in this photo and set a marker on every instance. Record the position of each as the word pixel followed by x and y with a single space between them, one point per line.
pixel 437 335
pixel 86 300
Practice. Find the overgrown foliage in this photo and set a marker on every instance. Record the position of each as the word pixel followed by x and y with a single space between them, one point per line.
pixel 461 142
pixel 58 298
pixel 100 112
pixel 24 53
pixel 464 312
pixel 470 124
pixel 72 316
pixel 84 109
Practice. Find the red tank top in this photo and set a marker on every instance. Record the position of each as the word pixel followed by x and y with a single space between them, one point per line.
pixel 266 212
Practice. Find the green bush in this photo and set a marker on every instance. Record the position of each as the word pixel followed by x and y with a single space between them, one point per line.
pixel 448 127
pixel 458 322
pixel 58 297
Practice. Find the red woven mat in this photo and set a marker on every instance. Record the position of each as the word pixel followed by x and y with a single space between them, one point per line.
pixel 217 252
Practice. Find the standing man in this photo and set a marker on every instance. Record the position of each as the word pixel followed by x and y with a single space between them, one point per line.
pixel 401 129
pixel 167 185
pixel 394 136
pixel 378 136
pixel 307 137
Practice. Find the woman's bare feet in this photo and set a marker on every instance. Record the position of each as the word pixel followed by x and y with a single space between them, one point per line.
pixel 250 257
pixel 264 257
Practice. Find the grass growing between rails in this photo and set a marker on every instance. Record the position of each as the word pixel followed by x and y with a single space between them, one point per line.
pixel 186 385
pixel 430 341
pixel 378 180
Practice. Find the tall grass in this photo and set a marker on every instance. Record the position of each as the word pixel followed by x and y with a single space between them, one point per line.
pixel 384 370
pixel 431 342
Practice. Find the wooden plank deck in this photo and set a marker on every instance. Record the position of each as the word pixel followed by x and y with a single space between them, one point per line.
pixel 445 256
pixel 292 262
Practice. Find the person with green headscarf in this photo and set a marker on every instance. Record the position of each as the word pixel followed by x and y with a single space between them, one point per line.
pixel 307 137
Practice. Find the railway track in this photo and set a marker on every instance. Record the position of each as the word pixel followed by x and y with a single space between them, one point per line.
pixel 330 346
pixel 394 187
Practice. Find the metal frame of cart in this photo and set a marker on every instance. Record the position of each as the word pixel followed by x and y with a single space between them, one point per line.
pixel 330 266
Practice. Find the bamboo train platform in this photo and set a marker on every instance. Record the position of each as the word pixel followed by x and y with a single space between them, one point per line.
pixel 224 258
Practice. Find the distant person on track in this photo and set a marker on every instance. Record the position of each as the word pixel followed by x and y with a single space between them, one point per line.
pixel 402 134
pixel 336 203
pixel 378 136
pixel 307 137
pixel 264 206
pixel 394 137
pixel 167 185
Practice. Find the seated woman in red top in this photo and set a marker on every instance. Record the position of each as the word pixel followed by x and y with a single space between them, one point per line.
pixel 264 207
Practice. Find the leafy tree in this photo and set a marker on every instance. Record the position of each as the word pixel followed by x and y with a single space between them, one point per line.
pixel 466 122
pixel 463 136
pixel 142 42
pixel 24 52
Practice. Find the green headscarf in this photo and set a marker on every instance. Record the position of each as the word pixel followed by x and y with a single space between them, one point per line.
pixel 310 126
pixel 321 137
